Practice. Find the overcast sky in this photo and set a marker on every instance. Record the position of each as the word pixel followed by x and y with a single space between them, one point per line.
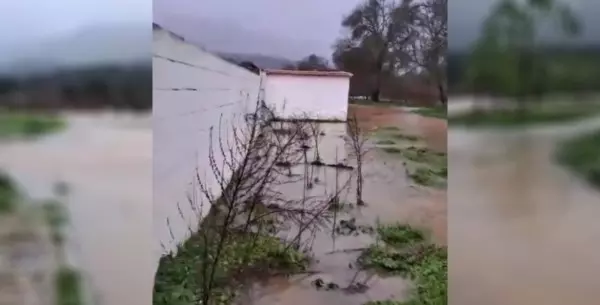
pixel 24 22
pixel 275 27
pixel 296 28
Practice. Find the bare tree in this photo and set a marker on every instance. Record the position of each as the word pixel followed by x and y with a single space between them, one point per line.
pixel 358 141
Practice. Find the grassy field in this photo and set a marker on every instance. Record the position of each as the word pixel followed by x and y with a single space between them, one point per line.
pixel 434 112
pixel 179 278
pixel 582 156
pixel 545 113
pixel 28 125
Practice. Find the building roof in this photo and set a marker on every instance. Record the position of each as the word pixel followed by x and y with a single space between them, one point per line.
pixel 308 73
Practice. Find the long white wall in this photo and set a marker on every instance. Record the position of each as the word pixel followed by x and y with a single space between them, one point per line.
pixel 318 97
pixel 193 90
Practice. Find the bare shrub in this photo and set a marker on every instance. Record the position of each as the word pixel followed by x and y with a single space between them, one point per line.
pixel 358 145
pixel 242 238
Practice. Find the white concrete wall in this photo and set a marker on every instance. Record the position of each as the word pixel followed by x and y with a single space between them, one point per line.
pixel 321 97
pixel 192 91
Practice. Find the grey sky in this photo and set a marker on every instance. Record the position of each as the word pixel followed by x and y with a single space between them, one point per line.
pixel 296 28
pixel 27 21
pixel 293 28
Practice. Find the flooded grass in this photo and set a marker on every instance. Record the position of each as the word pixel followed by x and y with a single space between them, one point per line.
pixel 424 176
pixel 582 155
pixel 404 137
pixel 392 150
pixel 403 251
pixel 68 287
pixel 28 125
pixel 431 166
pixel 243 257
pixel 434 112
pixel 385 142
pixel 424 155
pixel 552 113
pixel 392 136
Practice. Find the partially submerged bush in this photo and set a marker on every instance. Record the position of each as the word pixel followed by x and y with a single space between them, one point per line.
pixel 405 252
pixel 244 257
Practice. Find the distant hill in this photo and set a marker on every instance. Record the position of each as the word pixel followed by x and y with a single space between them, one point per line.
pixel 261 61
pixel 115 44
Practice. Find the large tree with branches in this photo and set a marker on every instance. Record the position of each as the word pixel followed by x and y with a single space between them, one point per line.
pixel 427 50
pixel 378 28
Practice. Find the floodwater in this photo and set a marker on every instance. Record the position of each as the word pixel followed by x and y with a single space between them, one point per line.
pixel 523 231
pixel 105 159
pixel 390 198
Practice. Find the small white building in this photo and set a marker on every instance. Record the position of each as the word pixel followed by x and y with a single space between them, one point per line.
pixel 311 94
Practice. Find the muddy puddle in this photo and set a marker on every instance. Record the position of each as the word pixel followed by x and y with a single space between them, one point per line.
pixel 390 197
pixel 523 230
pixel 105 160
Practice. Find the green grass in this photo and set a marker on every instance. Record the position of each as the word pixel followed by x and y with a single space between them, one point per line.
pixel 404 137
pixel 403 251
pixel 434 112
pixel 179 278
pixel 68 287
pixel 582 156
pixel 400 235
pixel 551 113
pixel 9 194
pixel 28 125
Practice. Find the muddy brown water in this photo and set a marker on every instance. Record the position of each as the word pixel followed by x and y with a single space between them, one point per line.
pixel 390 198
pixel 105 159
pixel 523 230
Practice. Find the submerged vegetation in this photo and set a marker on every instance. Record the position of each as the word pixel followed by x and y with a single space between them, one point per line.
pixel 403 250
pixel 8 193
pixel 68 287
pixel 425 166
pixel 582 155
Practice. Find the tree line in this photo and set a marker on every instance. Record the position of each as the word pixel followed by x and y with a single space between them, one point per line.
pixel 510 57
pixel 105 86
